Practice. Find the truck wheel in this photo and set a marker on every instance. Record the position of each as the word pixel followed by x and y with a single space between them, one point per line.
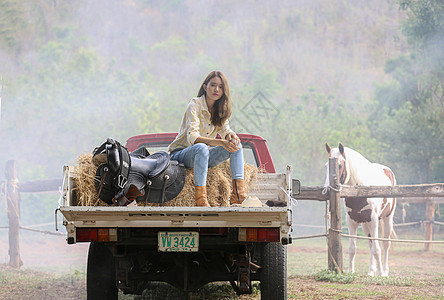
pixel 274 271
pixel 101 273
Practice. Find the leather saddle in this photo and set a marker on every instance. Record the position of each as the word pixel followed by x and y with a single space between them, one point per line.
pixel 123 177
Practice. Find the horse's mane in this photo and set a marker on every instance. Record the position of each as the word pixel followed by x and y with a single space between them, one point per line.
pixel 356 161
pixel 355 157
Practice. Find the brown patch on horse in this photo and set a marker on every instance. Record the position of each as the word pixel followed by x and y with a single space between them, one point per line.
pixel 357 212
pixel 386 209
pixel 390 175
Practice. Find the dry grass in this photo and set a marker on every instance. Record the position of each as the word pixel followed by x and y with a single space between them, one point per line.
pixel 219 185
pixel 84 176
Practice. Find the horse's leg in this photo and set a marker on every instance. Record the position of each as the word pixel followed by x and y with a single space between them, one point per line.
pixel 372 266
pixel 375 249
pixel 352 230
pixel 371 230
pixel 388 229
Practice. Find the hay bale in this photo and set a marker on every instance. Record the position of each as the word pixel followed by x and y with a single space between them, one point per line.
pixel 219 185
pixel 84 175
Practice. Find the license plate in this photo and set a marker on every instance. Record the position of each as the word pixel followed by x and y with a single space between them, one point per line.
pixel 178 241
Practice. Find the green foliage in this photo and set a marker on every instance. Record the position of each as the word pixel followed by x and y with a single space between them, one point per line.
pixel 332 276
pixel 12 22
pixel 147 114
pixel 408 119
pixel 305 125
pixel 75 73
pixel 392 280
pixel 414 143
pixel 425 24
pixel 174 48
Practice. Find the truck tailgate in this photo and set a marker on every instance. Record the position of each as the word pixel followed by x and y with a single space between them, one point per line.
pixel 148 216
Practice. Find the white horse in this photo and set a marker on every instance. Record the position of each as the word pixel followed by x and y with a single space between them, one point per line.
pixel 355 169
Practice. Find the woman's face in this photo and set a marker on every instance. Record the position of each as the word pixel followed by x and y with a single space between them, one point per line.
pixel 214 89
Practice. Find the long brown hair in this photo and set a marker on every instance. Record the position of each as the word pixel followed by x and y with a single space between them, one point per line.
pixel 222 107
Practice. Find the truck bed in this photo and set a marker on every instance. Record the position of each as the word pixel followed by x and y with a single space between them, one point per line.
pixel 268 186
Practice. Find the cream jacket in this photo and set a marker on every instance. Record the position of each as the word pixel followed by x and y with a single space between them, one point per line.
pixel 197 122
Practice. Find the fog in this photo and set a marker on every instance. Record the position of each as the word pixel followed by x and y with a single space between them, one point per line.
pixel 74 74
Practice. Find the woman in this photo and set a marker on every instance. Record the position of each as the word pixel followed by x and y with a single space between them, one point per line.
pixel 196 145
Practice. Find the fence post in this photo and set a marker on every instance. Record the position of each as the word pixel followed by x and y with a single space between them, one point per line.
pixel 13 202
pixel 334 234
pixel 428 226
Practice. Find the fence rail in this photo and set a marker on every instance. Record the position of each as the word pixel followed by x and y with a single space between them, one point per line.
pixel 403 191
pixel 36 230
pixel 406 191
pixel 40 186
pixel 392 240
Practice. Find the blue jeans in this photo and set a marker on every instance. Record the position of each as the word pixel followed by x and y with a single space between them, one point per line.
pixel 201 157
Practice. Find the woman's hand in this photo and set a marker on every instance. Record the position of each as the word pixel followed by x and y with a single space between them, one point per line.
pixel 229 146
pixel 232 137
pixel 233 142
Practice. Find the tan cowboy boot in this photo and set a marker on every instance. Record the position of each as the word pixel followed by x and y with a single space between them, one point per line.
pixel 200 195
pixel 238 195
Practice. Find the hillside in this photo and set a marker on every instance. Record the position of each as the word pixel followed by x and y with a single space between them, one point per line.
pixel 65 66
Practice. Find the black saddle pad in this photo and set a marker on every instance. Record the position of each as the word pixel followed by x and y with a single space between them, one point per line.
pixel 166 186
pixel 162 161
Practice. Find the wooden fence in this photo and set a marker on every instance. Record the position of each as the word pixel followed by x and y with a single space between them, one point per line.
pixel 336 191
pixel 13 188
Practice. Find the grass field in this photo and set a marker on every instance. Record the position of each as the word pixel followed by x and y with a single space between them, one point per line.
pixel 414 273
pixel 54 270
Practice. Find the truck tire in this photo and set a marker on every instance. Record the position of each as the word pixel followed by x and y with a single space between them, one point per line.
pixel 274 271
pixel 101 273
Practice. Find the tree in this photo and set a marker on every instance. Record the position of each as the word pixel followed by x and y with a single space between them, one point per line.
pixel 408 119
pixel 306 123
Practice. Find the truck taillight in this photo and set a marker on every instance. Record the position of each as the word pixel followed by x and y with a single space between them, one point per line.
pixel 96 234
pixel 258 235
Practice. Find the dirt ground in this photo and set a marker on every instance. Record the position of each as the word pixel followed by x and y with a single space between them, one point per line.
pixel 54 270
pixel 414 274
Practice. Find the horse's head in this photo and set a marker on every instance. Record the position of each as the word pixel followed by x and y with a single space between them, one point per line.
pixel 344 170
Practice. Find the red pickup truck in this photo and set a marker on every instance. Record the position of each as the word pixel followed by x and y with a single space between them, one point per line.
pixel 239 245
